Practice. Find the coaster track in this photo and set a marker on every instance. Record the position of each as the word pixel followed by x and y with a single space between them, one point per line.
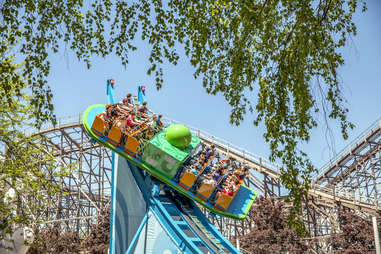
pixel 353 177
pixel 365 149
pixel 356 187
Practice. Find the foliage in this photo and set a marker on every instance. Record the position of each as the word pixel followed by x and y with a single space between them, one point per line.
pixel 356 234
pixel 53 240
pixel 270 232
pixel 24 184
pixel 97 241
pixel 280 58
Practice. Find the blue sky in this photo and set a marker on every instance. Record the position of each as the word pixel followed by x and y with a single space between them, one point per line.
pixel 182 97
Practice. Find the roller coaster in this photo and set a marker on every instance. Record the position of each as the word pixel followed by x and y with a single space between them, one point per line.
pixel 151 213
pixel 172 155
pixel 366 146
pixel 149 177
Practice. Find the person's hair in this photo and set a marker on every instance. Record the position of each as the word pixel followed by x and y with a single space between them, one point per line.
pixel 128 95
pixel 160 115
pixel 144 103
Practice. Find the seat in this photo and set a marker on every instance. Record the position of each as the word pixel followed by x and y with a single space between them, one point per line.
pixel 114 135
pixel 224 200
pixel 187 180
pixel 205 190
pixel 131 145
pixel 99 126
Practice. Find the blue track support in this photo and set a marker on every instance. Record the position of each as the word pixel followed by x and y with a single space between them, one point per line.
pixel 113 203
pixel 110 93
pixel 209 226
pixel 174 228
pixel 160 212
pixel 141 182
pixel 141 95
pixel 185 244
pixel 110 100
pixel 174 223
pixel 133 242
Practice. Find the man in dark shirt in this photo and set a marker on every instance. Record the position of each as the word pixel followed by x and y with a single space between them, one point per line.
pixel 143 108
pixel 210 152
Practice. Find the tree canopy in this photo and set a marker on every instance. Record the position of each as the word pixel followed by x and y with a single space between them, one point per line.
pixel 356 233
pixel 269 231
pixel 276 59
pixel 52 239
pixel 25 169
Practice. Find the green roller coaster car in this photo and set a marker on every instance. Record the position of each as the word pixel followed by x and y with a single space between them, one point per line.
pixel 163 155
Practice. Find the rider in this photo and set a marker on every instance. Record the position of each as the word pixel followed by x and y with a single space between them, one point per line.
pixel 193 170
pixel 216 175
pixel 210 180
pixel 131 122
pixel 126 104
pixel 223 165
pixel 109 117
pixel 210 152
pixel 103 116
pixel 158 120
pixel 129 101
pixel 143 108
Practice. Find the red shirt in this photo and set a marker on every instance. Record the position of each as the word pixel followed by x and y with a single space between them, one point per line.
pixel 129 120
pixel 228 192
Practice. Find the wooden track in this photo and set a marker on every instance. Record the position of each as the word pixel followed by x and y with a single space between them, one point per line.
pixel 321 190
pixel 362 148
pixel 327 194
pixel 326 190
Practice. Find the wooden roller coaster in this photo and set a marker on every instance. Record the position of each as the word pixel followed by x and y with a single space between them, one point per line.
pixel 352 179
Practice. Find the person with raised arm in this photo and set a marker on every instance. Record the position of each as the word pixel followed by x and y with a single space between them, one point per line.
pixel 143 109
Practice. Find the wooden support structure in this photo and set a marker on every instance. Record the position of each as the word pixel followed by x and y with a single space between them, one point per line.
pixel 353 180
